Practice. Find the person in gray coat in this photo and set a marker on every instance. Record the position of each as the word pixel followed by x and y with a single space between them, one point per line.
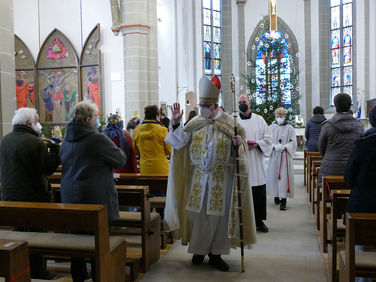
pixel 337 138
pixel 313 128
pixel 88 159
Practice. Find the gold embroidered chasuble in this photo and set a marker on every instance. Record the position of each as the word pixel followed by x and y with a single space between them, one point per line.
pixel 191 176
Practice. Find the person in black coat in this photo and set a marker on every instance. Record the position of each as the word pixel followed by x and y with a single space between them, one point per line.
pixel 360 172
pixel 88 159
pixel 25 163
pixel 313 128
pixel 372 121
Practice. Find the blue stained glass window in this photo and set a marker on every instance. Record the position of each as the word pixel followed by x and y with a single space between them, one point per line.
pixel 341 45
pixel 273 63
pixel 212 41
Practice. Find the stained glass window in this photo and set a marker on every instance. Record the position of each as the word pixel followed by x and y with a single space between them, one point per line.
pixel 341 47
pixel 212 24
pixel 273 64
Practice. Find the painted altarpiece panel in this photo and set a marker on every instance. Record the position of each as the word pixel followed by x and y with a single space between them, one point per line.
pixel 25 75
pixel 90 69
pixel 58 82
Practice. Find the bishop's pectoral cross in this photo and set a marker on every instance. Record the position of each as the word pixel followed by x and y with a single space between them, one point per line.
pixel 273 14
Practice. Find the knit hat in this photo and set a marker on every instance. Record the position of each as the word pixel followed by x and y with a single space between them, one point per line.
pixel 372 116
pixel 209 89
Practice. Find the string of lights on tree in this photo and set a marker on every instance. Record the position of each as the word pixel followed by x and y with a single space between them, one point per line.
pixel 271 78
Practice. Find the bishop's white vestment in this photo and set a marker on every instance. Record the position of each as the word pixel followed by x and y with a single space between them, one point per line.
pixel 201 203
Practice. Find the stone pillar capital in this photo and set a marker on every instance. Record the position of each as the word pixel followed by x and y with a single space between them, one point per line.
pixel 132 29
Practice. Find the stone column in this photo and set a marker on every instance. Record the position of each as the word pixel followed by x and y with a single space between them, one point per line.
pixel 138 25
pixel 7 67
pixel 227 98
pixel 242 86
pixel 308 60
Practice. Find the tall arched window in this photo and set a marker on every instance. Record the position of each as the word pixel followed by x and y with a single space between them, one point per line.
pixel 341 13
pixel 273 68
pixel 212 25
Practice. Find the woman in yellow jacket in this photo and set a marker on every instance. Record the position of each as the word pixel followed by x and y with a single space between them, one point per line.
pixel 148 142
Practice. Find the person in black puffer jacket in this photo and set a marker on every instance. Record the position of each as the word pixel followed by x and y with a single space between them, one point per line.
pixel 313 128
pixel 337 138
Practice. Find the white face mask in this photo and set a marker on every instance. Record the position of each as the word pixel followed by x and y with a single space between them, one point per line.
pixel 37 127
pixel 205 112
pixel 280 120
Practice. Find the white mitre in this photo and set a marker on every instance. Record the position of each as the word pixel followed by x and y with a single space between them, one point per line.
pixel 209 89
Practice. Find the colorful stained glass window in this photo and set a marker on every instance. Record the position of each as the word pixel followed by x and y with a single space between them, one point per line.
pixel 207 33
pixel 341 47
pixel 206 4
pixel 336 79
pixel 335 17
pixel 336 39
pixel 212 24
pixel 273 64
pixel 207 17
pixel 217 34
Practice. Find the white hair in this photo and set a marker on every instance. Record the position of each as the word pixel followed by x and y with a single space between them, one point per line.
pixel 24 115
pixel 83 110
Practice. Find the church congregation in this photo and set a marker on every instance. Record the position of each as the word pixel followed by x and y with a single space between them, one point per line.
pixel 202 140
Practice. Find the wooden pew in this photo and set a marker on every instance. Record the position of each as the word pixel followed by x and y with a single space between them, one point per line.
pixel 315 176
pixel 305 167
pixel 360 230
pixel 311 159
pixel 156 182
pixel 108 252
pixel 336 229
pixel 328 183
pixel 14 258
pixel 146 223
pixel 143 245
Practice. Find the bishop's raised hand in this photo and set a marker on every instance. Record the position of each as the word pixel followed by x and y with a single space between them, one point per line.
pixel 177 114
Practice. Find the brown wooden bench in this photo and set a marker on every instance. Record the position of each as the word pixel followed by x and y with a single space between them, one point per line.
pixel 108 252
pixel 140 229
pixel 308 156
pixel 315 175
pixel 142 224
pixel 336 229
pixel 14 258
pixel 360 230
pixel 305 167
pixel 310 175
pixel 328 183
pixel 156 182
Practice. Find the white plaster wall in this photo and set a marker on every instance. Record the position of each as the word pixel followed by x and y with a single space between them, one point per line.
pixel 360 49
pixel 315 49
pixel 372 54
pixel 292 12
pixel 66 16
pixel 167 51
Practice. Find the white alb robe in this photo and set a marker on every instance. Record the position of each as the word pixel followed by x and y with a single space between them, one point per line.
pixel 281 163
pixel 209 229
pixel 257 130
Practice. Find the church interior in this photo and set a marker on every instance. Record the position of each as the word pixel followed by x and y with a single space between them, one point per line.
pixel 125 55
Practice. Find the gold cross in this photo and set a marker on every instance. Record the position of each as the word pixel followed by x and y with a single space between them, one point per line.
pixel 273 14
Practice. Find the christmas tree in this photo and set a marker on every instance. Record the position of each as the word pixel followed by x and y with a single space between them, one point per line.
pixel 271 79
